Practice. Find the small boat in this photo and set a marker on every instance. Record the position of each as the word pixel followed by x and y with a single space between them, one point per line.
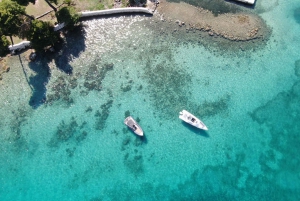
pixel 247 1
pixel 191 119
pixel 134 126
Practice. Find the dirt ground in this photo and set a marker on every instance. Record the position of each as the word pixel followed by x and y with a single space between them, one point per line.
pixel 40 7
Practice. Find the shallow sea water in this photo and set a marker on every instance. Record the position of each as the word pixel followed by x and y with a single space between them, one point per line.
pixel 75 146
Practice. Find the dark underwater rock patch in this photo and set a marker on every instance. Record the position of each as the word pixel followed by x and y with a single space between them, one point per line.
pixel 102 114
pixel 125 142
pixel 82 136
pixel 73 83
pixel 281 116
pixel 95 74
pixel 297 66
pixel 20 117
pixel 127 113
pixel 140 88
pixel 167 84
pixel 126 88
pixel 130 146
pixel 18 140
pixel 130 140
pixel 213 108
pixel 89 109
pixel 63 85
pixel 296 90
pixel 71 151
pixel 61 90
pixel 135 164
pixel 273 113
pixel 68 132
pixel 297 15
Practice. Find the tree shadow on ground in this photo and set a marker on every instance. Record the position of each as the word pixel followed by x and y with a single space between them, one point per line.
pixel 71 47
pixel 38 82
pixel 67 49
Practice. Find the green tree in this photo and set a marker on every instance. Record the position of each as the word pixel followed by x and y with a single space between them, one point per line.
pixel 68 2
pixel 68 15
pixel 41 35
pixel 25 27
pixel 4 43
pixel 24 2
pixel 11 18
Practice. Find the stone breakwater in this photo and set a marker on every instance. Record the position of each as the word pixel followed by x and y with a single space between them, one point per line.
pixel 235 27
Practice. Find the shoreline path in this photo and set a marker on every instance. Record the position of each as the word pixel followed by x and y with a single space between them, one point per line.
pixel 24 44
pixel 230 26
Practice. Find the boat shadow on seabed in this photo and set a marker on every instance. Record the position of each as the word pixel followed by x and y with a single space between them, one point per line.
pixel 195 130
pixel 140 139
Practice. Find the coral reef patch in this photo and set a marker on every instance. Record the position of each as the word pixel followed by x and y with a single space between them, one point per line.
pixel 281 116
pixel 102 114
pixel 297 68
pixel 95 74
pixel 68 132
pixel 167 81
pixel 297 15
pixel 61 90
pixel 213 108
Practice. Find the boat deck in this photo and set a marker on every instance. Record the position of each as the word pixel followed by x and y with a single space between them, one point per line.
pixel 247 1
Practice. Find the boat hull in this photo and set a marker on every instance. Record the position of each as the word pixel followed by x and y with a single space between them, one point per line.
pixel 134 126
pixel 192 120
pixel 247 1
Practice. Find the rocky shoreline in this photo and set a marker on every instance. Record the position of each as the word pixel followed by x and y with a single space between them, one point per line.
pixel 231 26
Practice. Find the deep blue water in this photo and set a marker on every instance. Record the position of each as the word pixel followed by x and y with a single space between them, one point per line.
pixel 62 133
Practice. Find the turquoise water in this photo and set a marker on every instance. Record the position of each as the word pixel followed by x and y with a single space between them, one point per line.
pixel 62 133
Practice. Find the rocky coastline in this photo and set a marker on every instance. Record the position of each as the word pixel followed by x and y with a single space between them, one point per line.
pixel 241 26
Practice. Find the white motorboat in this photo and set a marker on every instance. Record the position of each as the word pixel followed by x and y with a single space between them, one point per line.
pixel 134 126
pixel 247 1
pixel 191 119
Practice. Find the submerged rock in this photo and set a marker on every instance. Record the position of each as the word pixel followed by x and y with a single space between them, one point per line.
pixel 297 68
pixel 32 56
